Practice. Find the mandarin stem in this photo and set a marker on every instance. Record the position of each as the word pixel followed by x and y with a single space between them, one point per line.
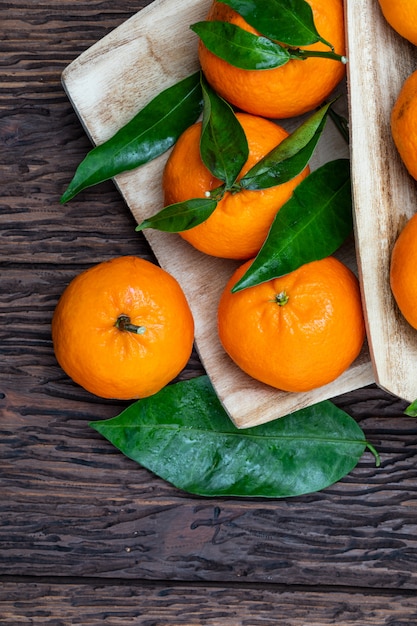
pixel 123 323
pixel 301 54
pixel 281 298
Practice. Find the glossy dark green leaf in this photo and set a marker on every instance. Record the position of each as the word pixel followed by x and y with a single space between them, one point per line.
pixel 223 144
pixel 150 133
pixel 239 47
pixel 180 216
pixel 290 157
pixel 288 21
pixel 311 225
pixel 183 435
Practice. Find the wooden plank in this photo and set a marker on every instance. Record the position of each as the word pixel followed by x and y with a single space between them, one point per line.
pixel 384 194
pixel 107 85
pixel 162 604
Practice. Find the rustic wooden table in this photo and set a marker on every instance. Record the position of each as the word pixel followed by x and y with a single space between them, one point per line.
pixel 87 536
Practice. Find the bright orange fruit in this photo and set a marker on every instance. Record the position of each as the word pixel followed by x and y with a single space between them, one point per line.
pixel 404 123
pixel 123 329
pixel 287 91
pixel 296 332
pixel 239 225
pixel 403 274
pixel 402 17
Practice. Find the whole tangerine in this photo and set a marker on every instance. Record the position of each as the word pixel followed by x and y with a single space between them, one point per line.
pixel 296 332
pixel 123 329
pixel 239 225
pixel 286 91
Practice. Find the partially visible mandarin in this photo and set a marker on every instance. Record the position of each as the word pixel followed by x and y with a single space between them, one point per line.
pixel 403 271
pixel 404 124
pixel 239 225
pixel 402 17
pixel 287 91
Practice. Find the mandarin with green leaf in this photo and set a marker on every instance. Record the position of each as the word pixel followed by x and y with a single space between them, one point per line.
pixel 288 90
pixel 239 224
pixel 296 332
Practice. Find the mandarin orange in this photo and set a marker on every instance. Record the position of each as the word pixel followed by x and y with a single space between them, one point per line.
pixel 402 17
pixel 404 123
pixel 238 226
pixel 123 329
pixel 286 91
pixel 297 332
pixel 403 271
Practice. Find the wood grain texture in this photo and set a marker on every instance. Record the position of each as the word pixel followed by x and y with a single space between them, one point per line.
pixel 68 496
pixel 71 505
pixel 107 85
pixel 384 194
pixel 165 605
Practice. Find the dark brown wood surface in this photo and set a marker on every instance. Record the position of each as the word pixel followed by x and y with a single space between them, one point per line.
pixel 86 535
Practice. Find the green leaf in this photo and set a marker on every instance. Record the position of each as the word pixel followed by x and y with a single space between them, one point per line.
pixel 290 157
pixel 288 21
pixel 223 144
pixel 411 410
pixel 240 48
pixel 150 133
pixel 311 225
pixel 184 435
pixel 180 216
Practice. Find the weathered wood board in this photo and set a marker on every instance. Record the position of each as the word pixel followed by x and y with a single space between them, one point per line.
pixel 107 85
pixel 385 196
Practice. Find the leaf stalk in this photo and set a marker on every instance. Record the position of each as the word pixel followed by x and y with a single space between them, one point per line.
pixel 302 54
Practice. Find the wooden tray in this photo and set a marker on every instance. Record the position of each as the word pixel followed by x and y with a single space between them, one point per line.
pixel 384 194
pixel 107 85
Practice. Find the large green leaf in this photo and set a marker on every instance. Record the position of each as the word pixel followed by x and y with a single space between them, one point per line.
pixel 311 225
pixel 290 157
pixel 183 435
pixel 288 21
pixel 152 131
pixel 223 144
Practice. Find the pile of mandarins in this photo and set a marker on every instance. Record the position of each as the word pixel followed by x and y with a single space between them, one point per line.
pixel 123 329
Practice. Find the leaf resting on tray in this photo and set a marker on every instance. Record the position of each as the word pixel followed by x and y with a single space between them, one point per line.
pixel 184 435
pixel 151 132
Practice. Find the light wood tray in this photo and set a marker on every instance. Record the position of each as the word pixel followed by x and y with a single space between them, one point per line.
pixel 384 193
pixel 107 85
